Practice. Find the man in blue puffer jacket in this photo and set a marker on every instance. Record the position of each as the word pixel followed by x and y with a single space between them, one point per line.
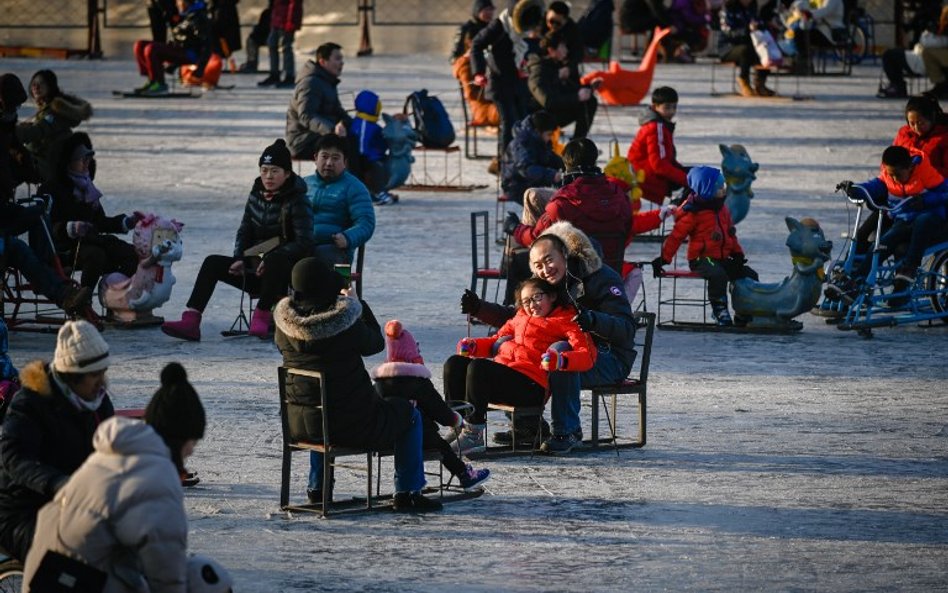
pixel 343 216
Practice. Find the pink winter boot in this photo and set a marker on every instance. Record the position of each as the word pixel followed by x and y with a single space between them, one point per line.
pixel 189 328
pixel 260 323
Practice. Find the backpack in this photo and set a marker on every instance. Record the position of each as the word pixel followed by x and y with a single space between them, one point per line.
pixel 432 123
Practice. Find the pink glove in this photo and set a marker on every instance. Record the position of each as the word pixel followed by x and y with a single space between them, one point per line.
pixel 467 346
pixel 553 360
pixel 79 228
pixel 480 80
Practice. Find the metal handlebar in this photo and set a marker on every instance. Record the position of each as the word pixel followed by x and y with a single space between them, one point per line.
pixel 868 198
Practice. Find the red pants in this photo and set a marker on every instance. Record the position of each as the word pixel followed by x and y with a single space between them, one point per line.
pixel 152 55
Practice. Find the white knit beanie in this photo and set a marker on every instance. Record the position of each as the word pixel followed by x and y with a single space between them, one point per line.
pixel 80 348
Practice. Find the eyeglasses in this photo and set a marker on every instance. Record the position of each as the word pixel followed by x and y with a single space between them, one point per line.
pixel 535 298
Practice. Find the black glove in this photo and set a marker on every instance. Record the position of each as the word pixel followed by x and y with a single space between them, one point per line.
pixel 586 320
pixel 657 264
pixel 848 188
pixel 511 223
pixel 738 259
pixel 470 303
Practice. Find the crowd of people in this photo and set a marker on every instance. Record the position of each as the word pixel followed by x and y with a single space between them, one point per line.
pixel 566 322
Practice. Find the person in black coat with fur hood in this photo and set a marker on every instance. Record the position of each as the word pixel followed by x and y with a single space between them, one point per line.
pixel 276 231
pixel 48 427
pixel 321 328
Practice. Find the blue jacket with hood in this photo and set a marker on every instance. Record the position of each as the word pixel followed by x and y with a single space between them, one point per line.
pixel 365 128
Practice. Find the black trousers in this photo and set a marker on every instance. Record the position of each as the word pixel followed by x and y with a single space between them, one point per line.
pixel 718 273
pixel 271 286
pixel 16 533
pixel 744 56
pixel 582 114
pixel 481 381
pixel 102 255
pixel 434 411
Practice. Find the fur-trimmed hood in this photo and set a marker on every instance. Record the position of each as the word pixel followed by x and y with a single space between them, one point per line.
pixel 387 370
pixel 318 325
pixel 521 7
pixel 72 108
pixel 34 376
pixel 581 250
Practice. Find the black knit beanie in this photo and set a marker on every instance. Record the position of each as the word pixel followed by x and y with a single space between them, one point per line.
pixel 315 285
pixel 277 154
pixel 175 411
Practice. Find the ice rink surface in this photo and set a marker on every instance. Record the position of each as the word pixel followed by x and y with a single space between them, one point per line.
pixel 811 462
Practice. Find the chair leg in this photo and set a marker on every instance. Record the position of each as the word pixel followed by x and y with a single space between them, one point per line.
pixel 368 488
pixel 642 417
pixel 328 461
pixel 594 408
pixel 285 478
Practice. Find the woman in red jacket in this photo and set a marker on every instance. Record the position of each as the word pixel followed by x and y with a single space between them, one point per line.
pixel 517 373
pixel 713 250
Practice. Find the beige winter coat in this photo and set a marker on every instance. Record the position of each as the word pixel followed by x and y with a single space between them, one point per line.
pixel 121 512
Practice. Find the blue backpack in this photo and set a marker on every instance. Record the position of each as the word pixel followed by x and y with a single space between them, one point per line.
pixel 432 123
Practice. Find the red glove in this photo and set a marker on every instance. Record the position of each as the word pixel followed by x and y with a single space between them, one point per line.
pixel 480 80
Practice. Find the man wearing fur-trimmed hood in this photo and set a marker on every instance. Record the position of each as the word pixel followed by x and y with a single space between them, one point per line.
pixel 564 256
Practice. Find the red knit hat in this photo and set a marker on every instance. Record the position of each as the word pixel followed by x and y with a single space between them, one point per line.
pixel 402 346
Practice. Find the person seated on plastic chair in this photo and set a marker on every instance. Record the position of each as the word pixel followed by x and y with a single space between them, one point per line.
pixel 517 373
pixel 277 211
pixel 190 44
pixel 918 197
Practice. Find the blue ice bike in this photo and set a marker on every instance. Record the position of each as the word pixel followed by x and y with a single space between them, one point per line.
pixel 11 574
pixel 876 303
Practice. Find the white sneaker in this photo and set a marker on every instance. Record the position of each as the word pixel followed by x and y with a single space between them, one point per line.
pixel 471 439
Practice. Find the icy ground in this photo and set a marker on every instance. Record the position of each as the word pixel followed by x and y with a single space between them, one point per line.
pixel 812 462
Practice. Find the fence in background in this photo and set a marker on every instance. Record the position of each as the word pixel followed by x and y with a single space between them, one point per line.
pixel 97 17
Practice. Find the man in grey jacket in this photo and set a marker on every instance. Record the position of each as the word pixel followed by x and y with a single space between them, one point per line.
pixel 315 109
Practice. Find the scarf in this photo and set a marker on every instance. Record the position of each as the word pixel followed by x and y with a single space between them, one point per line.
pixel 83 188
pixel 519 45
pixel 77 402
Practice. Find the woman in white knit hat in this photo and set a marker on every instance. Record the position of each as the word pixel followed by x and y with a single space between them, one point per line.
pixel 47 431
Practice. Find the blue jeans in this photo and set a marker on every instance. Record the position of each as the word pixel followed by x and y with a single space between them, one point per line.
pixel 282 40
pixel 44 280
pixel 409 460
pixel 565 388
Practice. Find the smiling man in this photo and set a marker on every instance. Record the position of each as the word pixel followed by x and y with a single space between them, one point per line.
pixel 315 109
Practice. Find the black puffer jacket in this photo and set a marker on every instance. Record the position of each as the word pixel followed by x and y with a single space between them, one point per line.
pixel 314 107
pixel 590 286
pixel 289 216
pixel 43 441
pixel 548 89
pixel 68 207
pixel 334 341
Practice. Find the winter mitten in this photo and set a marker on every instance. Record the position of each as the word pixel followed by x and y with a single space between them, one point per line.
pixel 552 360
pixel 511 223
pixel 470 302
pixel 467 346
pixel 657 269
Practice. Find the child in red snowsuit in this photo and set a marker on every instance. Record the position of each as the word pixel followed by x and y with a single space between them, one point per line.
pixel 653 149
pixel 517 373
pixel 713 250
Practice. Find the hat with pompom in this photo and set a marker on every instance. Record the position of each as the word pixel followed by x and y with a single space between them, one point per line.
pixel 175 411
pixel 403 357
pixel 206 575
pixel 401 345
